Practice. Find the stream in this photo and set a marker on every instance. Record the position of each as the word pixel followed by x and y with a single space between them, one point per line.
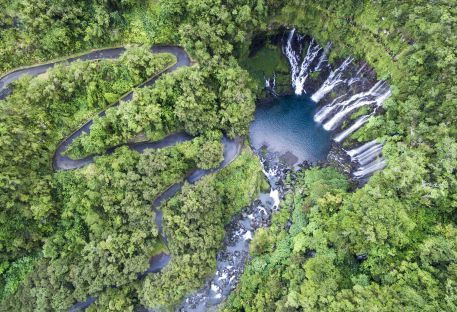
pixel 287 132
pixel 283 135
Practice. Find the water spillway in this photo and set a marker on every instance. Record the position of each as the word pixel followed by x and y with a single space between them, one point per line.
pixel 333 80
pixel 340 92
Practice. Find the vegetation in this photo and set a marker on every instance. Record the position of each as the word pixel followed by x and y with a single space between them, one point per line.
pixel 198 100
pixel 195 221
pixel 63 235
pixel 389 245
pixel 39 113
pixel 105 234
pixel 68 235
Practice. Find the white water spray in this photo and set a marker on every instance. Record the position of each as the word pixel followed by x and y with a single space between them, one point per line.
pixel 300 70
pixel 375 96
pixel 375 165
pixel 334 79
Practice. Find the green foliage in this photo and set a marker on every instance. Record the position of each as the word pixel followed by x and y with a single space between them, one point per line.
pixel 213 28
pixel 399 217
pixel 143 64
pixel 267 61
pixel 273 278
pixel 114 299
pixel 13 274
pixel 38 30
pixel 217 97
pixel 38 114
pixel 194 222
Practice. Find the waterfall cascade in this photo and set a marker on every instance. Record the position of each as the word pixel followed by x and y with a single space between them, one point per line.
pixel 352 128
pixel 368 158
pixel 301 69
pixel 350 83
pixel 364 171
pixel 231 260
pixel 323 59
pixel 341 110
pixel 333 80
pixel 270 84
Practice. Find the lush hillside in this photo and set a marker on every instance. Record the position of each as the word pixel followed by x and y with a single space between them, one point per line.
pixel 68 235
pixel 391 244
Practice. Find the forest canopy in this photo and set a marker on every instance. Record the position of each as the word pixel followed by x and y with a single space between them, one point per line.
pixel 66 236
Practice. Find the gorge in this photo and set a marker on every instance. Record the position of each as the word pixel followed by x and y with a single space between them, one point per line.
pixel 288 131
pixel 296 130
pixel 277 156
pixel 346 94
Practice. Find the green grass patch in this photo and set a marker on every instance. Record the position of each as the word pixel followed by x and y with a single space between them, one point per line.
pixel 265 62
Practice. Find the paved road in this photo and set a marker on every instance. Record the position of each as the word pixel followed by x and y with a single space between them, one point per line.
pixel 232 148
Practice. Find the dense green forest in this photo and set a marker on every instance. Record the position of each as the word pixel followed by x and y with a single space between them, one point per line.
pixel 390 245
pixel 67 235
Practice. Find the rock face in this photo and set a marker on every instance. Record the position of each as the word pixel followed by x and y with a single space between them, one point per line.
pixel 346 91
pixel 231 260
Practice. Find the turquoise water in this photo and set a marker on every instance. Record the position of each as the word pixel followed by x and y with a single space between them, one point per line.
pixel 286 127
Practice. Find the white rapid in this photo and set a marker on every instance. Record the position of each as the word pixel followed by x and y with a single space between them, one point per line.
pixel 375 165
pixel 334 79
pixel 368 157
pixel 300 69
pixel 375 96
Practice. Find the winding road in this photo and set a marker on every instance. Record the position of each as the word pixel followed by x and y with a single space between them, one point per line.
pixel 232 148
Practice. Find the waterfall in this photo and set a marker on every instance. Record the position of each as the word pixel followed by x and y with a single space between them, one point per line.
pixel 323 58
pixel 375 96
pixel 368 156
pixel 293 58
pixel 300 71
pixel 270 84
pixel 358 150
pixel 356 77
pixel 375 165
pixel 274 82
pixel 355 126
pixel 312 52
pixel 333 79
pixel 325 110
